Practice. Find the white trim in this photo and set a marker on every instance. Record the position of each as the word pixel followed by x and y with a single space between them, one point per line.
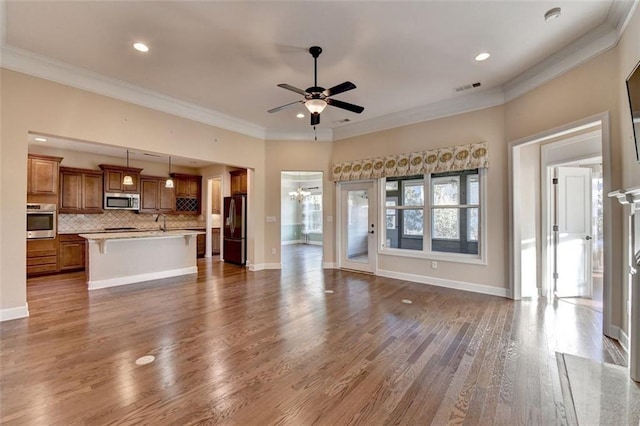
pixel 468 103
pixel 623 339
pixel 130 279
pixel 43 67
pixel 314 243
pixel 577 53
pixel 471 259
pixel 440 282
pixel 8 314
pixel 263 266
pixel 329 265
pixel 291 242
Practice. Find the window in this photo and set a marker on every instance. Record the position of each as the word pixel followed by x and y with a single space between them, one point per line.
pixel 437 213
pixel 312 213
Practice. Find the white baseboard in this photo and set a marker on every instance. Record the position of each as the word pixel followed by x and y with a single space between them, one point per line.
pixel 113 282
pixel 314 243
pixel 329 265
pixel 14 313
pixel 262 266
pixel 440 282
pixel 291 242
pixel 624 340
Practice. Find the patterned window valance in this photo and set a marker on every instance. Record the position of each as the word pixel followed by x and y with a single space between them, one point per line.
pixel 450 159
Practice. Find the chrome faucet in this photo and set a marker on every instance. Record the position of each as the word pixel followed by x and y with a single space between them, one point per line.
pixel 163 227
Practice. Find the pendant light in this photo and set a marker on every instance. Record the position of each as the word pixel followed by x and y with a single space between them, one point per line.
pixel 169 182
pixel 127 180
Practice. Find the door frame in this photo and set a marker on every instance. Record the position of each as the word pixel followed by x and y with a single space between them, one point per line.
pixel 515 243
pixel 339 219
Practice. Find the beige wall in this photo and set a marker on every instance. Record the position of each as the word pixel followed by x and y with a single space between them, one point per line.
pixel 485 125
pixel 33 104
pixel 628 58
pixel 298 156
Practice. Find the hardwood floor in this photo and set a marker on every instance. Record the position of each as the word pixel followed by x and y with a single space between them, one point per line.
pixel 271 347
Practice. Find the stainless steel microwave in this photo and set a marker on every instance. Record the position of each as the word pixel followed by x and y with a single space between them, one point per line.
pixel 121 201
pixel 41 221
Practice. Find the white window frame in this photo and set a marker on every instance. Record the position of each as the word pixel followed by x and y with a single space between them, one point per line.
pixel 426 253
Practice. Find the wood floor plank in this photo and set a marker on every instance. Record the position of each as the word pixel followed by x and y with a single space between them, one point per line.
pixel 272 348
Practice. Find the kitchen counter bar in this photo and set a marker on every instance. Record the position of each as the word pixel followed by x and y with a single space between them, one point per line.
pixel 119 258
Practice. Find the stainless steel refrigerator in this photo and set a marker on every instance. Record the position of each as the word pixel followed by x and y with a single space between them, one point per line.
pixel 235 229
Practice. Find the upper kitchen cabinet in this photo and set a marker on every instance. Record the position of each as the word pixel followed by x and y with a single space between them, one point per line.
pixel 114 175
pixel 238 181
pixel 80 191
pixel 188 193
pixel 215 197
pixel 42 172
pixel 155 197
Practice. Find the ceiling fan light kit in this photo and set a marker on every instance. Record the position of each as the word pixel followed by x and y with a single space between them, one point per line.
pixel 316 98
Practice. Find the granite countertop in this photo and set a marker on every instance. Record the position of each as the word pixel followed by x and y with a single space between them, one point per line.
pixel 103 231
pixel 139 234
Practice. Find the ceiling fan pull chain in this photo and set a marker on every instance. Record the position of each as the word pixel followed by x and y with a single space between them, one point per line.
pixel 315 133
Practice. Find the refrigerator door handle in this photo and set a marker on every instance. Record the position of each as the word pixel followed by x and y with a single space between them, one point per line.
pixel 232 216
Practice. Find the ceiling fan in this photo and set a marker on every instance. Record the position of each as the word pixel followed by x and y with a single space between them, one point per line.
pixel 317 98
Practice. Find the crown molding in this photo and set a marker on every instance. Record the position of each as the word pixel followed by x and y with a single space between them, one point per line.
pixel 577 53
pixel 472 102
pixel 587 47
pixel 323 135
pixel 43 67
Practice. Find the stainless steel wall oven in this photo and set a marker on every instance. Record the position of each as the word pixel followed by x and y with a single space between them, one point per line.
pixel 41 220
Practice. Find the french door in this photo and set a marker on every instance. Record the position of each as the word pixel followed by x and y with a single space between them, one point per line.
pixel 358 230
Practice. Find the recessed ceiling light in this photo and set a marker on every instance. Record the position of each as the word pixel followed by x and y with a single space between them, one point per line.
pixel 300 115
pixel 141 47
pixel 482 56
pixel 552 14
pixel 40 139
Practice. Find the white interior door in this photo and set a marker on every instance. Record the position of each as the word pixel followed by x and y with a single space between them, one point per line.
pixel 358 227
pixel 573 233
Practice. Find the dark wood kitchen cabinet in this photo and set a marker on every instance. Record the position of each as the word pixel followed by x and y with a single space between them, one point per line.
pixel 71 252
pixel 80 191
pixel 215 240
pixel 113 176
pixel 42 174
pixel 154 196
pixel 238 181
pixel 188 193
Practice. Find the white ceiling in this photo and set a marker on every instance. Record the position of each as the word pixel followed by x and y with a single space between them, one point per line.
pixel 226 58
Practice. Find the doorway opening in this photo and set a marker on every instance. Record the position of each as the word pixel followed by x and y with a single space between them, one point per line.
pixel 531 162
pixel 301 233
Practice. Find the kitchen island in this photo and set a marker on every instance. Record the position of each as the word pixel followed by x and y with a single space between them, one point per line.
pixel 129 257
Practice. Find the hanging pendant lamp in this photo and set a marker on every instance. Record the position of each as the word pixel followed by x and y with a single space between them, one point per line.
pixel 127 180
pixel 169 182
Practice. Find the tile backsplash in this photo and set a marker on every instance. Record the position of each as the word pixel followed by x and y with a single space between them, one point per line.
pixel 71 223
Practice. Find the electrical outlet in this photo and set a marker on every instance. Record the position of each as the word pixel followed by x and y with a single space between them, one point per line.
pixel 434 264
pixel 274 251
pixel 329 219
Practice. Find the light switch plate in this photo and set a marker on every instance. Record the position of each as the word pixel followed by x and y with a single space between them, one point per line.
pixel 271 219
pixel 329 219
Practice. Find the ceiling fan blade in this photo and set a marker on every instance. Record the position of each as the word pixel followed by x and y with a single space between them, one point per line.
pixel 293 89
pixel 315 118
pixel 281 107
pixel 345 105
pixel 342 87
